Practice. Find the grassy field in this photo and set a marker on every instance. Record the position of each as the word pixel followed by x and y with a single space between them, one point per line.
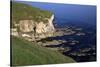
pixel 27 53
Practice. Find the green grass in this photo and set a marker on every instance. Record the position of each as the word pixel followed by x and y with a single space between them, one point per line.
pixel 27 53
pixel 21 11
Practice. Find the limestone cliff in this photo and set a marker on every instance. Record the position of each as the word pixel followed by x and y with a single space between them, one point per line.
pixel 39 24
pixel 30 28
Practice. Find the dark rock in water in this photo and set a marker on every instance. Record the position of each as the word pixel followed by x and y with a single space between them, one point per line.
pixel 79 47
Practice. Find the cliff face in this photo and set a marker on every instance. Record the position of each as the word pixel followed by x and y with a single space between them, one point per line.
pixel 34 30
pixel 37 29
pixel 45 27
pixel 30 22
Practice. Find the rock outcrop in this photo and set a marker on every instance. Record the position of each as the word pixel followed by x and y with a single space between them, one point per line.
pixel 33 30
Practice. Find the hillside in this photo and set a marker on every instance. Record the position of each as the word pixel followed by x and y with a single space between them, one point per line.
pixel 27 53
pixel 31 22
pixel 21 11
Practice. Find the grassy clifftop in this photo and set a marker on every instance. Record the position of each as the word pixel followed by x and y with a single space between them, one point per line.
pixel 23 11
pixel 27 53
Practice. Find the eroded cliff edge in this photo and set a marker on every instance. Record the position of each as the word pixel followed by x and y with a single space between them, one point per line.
pixel 30 22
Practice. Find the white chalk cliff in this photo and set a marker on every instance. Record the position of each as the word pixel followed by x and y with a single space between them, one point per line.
pixel 35 30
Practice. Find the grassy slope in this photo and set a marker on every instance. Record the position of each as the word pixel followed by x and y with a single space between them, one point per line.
pixel 23 11
pixel 27 53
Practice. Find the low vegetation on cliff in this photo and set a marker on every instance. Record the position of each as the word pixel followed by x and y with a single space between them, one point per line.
pixel 27 53
pixel 21 11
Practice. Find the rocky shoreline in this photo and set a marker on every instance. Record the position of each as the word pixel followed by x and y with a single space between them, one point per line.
pixel 66 46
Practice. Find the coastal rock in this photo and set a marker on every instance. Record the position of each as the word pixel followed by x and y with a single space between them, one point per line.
pixel 36 30
pixel 26 25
